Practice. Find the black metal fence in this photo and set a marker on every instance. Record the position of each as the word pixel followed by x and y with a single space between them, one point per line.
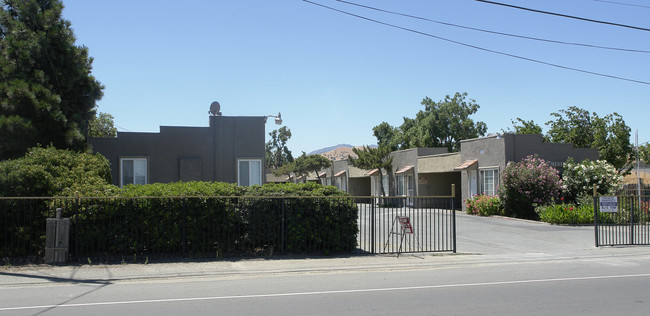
pixel 634 189
pixel 622 220
pixel 140 229
pixel 407 224
pixel 22 229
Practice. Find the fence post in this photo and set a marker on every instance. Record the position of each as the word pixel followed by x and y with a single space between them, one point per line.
pixel 282 237
pixel 372 225
pixel 453 217
pixel 183 220
pixel 595 215
pixel 632 211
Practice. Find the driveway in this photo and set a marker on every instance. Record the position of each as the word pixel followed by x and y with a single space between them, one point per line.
pixel 502 235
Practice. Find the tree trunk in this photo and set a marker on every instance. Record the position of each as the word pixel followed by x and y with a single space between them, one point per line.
pixel 381 183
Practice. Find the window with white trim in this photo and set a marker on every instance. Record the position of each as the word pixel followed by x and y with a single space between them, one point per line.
pixel 489 181
pixel 249 172
pixel 133 171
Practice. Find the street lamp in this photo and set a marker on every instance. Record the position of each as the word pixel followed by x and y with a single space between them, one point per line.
pixel 278 118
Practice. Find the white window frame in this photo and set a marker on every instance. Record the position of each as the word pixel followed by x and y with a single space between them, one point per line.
pixel 489 188
pixel 134 160
pixel 252 178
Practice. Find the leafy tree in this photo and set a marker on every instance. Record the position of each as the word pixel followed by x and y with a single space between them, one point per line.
pixel 644 153
pixel 612 139
pixel 373 158
pixel 447 122
pixel 102 126
pixel 441 124
pixel 609 135
pixel 305 164
pixel 526 127
pixel 387 135
pixel 55 172
pixel 573 125
pixel 47 92
pixel 277 153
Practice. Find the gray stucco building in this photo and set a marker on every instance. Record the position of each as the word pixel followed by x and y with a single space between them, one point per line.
pixel 484 158
pixel 432 171
pixel 231 150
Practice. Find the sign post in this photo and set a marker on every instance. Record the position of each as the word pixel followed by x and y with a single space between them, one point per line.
pixel 405 228
pixel 405 223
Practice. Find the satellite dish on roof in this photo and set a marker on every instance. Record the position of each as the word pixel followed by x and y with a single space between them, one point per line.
pixel 215 107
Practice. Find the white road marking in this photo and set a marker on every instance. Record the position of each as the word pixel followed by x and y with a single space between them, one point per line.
pixel 408 288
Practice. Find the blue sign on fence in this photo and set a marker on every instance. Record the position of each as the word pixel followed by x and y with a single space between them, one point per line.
pixel 608 204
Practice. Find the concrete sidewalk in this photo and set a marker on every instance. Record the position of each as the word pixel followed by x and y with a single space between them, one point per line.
pixel 481 241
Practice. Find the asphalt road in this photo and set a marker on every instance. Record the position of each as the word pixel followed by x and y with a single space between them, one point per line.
pixel 504 267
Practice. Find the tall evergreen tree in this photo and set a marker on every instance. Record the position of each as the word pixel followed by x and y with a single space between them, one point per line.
pixel 370 158
pixel 47 91
pixel 305 164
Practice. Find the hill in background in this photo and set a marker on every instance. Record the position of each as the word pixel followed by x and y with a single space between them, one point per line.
pixel 338 152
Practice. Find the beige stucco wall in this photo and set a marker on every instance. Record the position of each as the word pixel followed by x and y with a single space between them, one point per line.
pixel 355 172
pixel 438 163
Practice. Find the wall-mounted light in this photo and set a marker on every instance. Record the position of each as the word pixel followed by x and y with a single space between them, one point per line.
pixel 278 118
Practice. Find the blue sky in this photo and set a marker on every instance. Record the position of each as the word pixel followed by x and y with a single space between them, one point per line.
pixel 334 77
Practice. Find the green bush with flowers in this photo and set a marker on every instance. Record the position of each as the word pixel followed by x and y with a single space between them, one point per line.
pixel 566 213
pixel 484 205
pixel 579 178
pixel 526 184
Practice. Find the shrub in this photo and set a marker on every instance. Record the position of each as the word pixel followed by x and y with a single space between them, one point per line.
pixel 312 223
pixel 526 184
pixel 55 172
pixel 579 178
pixel 484 205
pixel 566 214
pixel 194 188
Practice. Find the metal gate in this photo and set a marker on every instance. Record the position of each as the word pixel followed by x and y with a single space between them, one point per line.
pixel 406 224
pixel 621 220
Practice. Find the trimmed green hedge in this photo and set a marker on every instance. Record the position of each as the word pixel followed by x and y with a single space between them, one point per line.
pixel 189 219
pixel 214 220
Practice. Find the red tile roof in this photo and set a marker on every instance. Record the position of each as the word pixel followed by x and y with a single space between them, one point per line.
pixel 405 169
pixel 372 172
pixel 466 164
